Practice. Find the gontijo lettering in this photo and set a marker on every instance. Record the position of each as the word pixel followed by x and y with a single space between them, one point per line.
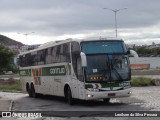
pixel 57 71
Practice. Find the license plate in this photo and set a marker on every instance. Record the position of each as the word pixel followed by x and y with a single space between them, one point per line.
pixel 111 94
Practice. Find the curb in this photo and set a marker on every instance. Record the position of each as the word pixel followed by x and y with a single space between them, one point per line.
pixel 11 105
pixel 12 91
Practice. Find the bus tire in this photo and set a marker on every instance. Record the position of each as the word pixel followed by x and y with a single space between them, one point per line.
pixel 30 93
pixel 33 91
pixel 106 100
pixel 28 89
pixel 69 96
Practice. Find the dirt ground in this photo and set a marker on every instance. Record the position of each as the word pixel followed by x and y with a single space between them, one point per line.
pixel 7 82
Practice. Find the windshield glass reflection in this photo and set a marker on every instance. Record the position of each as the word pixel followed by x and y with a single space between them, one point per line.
pixel 107 68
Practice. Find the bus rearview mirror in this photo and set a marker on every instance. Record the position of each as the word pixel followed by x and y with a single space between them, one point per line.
pixel 83 59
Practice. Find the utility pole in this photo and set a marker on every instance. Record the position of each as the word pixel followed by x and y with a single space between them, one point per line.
pixel 115 12
pixel 26 34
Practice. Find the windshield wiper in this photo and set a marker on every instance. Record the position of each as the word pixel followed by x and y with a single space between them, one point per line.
pixel 111 68
pixel 118 74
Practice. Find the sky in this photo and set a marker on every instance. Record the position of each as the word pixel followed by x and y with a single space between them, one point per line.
pixel 41 21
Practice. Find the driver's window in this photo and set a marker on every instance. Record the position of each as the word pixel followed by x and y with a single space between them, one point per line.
pixel 126 64
pixel 79 69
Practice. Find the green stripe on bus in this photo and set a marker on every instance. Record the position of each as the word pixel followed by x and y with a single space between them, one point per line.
pixel 107 85
pixel 48 71
pixel 25 72
pixel 39 81
pixel 53 71
pixel 110 85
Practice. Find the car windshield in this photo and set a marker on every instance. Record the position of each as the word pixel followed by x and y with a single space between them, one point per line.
pixel 107 68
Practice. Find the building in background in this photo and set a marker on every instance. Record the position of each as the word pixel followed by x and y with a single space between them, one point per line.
pixel 28 47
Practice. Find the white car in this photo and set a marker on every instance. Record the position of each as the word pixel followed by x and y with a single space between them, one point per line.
pixel 9 73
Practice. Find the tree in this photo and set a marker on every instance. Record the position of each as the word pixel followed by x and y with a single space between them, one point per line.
pixel 6 58
pixel 144 51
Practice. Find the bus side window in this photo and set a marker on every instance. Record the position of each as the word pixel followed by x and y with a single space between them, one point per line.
pixel 53 54
pixel 22 61
pixel 58 54
pixel 48 56
pixel 65 53
pixel 28 59
pixel 41 57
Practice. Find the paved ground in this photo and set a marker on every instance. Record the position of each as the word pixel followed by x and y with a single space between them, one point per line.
pixel 143 98
pixel 5 104
pixel 150 96
pixel 6 77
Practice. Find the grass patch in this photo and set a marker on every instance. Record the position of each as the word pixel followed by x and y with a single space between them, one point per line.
pixel 142 81
pixel 10 85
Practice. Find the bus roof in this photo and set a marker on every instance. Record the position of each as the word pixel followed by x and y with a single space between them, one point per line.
pixel 54 43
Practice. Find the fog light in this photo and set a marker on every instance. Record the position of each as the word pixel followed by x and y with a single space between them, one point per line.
pixel 129 92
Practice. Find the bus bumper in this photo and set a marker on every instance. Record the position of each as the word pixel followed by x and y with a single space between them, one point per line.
pixel 107 94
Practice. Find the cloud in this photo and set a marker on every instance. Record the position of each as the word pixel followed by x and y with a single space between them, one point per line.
pixel 55 18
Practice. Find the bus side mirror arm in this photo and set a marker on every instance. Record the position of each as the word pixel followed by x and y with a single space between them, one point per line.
pixel 83 59
pixel 132 53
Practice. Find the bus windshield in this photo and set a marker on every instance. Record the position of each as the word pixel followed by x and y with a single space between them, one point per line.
pixel 107 68
pixel 106 62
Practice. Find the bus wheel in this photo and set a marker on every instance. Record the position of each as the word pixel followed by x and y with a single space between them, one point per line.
pixel 28 89
pixel 30 93
pixel 106 100
pixel 33 91
pixel 69 96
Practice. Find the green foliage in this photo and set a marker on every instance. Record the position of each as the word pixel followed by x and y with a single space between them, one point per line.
pixel 156 50
pixel 143 50
pixel 142 81
pixel 147 51
pixel 6 59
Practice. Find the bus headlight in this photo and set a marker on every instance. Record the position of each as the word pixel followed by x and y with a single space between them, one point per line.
pixel 93 89
pixel 89 96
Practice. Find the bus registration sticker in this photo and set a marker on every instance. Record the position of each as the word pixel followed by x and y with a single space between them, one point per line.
pixel 95 70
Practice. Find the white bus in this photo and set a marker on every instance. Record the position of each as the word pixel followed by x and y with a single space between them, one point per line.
pixel 77 69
